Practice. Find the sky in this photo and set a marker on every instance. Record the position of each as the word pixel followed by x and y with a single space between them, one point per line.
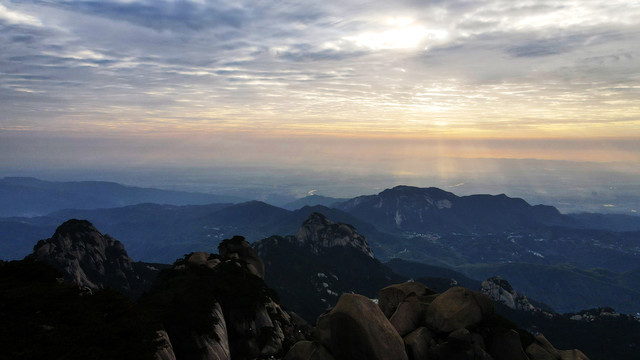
pixel 359 86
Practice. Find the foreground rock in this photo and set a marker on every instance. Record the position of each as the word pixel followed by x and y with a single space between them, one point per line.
pixel 216 306
pixel 356 328
pixel 458 324
pixel 391 296
pixel 458 308
pixel 308 350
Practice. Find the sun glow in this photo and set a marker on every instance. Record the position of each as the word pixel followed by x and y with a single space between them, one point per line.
pixel 400 33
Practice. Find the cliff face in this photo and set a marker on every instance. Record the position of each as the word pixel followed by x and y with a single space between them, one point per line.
pixel 88 258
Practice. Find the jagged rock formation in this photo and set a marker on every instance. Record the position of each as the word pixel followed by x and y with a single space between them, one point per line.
pixel 457 324
pixel 310 271
pixel 216 306
pixel 319 232
pixel 499 290
pixel 89 259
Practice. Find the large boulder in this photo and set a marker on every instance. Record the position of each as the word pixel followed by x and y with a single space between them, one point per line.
pixel 506 346
pixel 391 296
pixel 357 329
pixel 541 349
pixel 458 308
pixel 409 315
pixel 418 343
pixel 308 350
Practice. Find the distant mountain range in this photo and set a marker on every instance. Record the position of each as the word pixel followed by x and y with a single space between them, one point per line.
pixel 431 210
pixel 24 196
pixel 313 200
pixel 478 236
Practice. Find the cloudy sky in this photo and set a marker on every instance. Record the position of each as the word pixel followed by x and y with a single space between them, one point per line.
pixel 260 82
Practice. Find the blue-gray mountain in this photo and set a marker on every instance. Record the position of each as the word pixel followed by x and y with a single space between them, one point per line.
pixel 22 196
pixel 478 233
pixel 428 210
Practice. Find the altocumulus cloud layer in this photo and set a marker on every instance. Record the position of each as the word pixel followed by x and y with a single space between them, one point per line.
pixel 420 68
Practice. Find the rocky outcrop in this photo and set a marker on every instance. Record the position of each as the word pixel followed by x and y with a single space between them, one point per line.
pixel 89 259
pixel 500 291
pixel 215 344
pixel 240 249
pixel 356 328
pixel 457 324
pixel 320 232
pixel 165 350
pixel 217 306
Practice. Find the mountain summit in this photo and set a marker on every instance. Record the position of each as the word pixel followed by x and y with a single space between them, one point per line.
pixel 319 232
pixel 88 258
pixel 407 208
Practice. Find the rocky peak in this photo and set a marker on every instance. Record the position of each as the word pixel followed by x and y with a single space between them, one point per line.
pixel 87 258
pixel 224 300
pixel 320 232
pixel 499 290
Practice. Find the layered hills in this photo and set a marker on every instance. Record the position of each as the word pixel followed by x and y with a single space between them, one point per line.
pixel 540 250
pixel 23 196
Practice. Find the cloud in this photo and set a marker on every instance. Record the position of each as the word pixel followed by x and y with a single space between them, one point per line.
pixel 13 17
pixel 408 67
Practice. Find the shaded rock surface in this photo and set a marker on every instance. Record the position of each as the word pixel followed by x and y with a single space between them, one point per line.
pixel 391 296
pixel 356 328
pixel 165 350
pixel 458 308
pixel 237 247
pixel 308 350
